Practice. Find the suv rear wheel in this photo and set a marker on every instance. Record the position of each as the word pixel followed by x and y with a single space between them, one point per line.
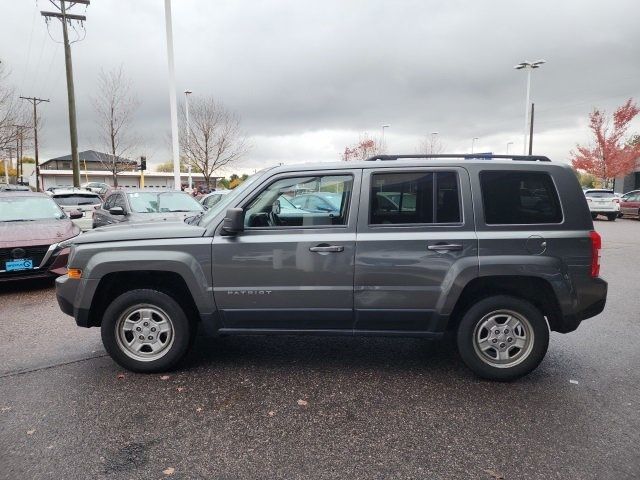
pixel 502 338
pixel 146 331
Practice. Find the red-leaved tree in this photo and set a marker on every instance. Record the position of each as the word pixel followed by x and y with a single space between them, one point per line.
pixel 365 148
pixel 610 155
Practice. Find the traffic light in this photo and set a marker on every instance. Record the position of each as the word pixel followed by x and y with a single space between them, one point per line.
pixel 143 163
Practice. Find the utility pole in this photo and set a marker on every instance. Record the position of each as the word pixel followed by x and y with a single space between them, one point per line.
pixel 19 146
pixel 531 130
pixel 172 97
pixel 65 18
pixel 187 133
pixel 35 101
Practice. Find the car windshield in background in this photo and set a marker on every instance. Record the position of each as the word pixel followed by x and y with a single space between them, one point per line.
pixel 163 202
pixel 24 209
pixel 600 194
pixel 76 199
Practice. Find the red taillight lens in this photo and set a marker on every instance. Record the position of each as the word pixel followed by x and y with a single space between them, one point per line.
pixel 596 245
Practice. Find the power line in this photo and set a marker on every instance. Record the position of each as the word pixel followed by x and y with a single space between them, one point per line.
pixel 66 19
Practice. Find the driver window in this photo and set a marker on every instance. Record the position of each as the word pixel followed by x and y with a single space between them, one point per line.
pixel 312 201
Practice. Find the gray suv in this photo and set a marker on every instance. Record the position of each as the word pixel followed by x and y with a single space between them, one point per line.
pixel 498 250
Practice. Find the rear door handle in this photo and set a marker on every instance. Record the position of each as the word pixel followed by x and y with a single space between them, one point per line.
pixel 326 248
pixel 445 247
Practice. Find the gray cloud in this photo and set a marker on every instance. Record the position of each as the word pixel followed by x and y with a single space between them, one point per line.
pixel 308 77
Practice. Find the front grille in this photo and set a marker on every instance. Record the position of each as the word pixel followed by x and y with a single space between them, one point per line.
pixel 36 253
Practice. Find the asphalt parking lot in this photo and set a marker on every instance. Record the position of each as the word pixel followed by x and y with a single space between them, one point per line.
pixel 305 407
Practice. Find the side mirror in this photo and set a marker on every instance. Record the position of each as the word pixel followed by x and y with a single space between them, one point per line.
pixel 233 222
pixel 75 214
pixel 117 211
pixel 276 208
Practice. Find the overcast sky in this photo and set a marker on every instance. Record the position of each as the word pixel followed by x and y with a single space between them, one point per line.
pixel 308 77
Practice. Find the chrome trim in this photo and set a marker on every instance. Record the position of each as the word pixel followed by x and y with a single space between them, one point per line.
pixel 47 255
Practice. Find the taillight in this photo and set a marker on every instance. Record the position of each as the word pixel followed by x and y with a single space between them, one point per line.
pixel 588 199
pixel 596 245
pixel 617 200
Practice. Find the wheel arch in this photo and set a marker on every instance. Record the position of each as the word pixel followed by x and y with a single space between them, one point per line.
pixel 536 290
pixel 116 283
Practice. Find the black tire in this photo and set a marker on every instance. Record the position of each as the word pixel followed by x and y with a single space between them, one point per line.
pixel 612 217
pixel 476 315
pixel 182 330
pixel 594 216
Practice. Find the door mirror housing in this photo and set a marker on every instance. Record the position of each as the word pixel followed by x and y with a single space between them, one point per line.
pixel 233 222
pixel 75 214
pixel 117 211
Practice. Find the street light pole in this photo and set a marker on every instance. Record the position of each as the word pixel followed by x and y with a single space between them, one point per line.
pixel 383 143
pixel 187 133
pixel 528 66
pixel 473 143
pixel 172 97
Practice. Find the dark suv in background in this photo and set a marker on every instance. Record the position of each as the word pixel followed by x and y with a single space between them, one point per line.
pixel 499 250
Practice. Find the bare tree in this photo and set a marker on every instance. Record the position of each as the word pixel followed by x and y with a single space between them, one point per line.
pixel 365 147
pixel 115 105
pixel 431 145
pixel 10 112
pixel 213 138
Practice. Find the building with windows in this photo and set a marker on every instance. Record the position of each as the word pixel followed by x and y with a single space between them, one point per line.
pixel 90 160
pixel 94 167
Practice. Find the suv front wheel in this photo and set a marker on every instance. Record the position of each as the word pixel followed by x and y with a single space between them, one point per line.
pixel 502 337
pixel 146 331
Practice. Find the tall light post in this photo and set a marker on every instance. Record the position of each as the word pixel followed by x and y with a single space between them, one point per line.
pixel 473 142
pixel 383 144
pixel 173 103
pixel 187 133
pixel 528 66
pixel 508 145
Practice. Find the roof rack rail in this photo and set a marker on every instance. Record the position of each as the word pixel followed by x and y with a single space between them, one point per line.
pixel 465 156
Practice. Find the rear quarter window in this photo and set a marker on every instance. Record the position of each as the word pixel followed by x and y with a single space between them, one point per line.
pixel 519 198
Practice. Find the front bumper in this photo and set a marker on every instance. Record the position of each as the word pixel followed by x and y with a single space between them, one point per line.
pixel 66 293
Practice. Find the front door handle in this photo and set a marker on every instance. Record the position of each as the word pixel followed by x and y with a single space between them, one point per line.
pixel 326 248
pixel 445 247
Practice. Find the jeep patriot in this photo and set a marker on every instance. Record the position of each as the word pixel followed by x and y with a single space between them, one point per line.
pixel 498 250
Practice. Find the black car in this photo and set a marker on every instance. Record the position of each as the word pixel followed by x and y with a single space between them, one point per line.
pixel 145 206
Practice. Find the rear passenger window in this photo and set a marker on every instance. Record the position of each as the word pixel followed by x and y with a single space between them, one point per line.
pixel 519 198
pixel 414 198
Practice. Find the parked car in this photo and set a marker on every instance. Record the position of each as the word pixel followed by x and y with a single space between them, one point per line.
pixel 212 198
pixel 603 202
pixel 10 187
pixel 318 202
pixel 496 250
pixel 32 226
pixel 129 206
pixel 96 187
pixel 630 204
pixel 83 201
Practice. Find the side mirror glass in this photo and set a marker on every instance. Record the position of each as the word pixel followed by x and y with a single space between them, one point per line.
pixel 116 211
pixel 233 222
pixel 75 214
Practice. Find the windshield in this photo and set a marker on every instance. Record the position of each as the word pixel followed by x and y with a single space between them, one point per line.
pixel 229 198
pixel 150 202
pixel 75 199
pixel 24 209
pixel 600 194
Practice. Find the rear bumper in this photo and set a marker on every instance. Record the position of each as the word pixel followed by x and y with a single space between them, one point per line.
pixel 590 301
